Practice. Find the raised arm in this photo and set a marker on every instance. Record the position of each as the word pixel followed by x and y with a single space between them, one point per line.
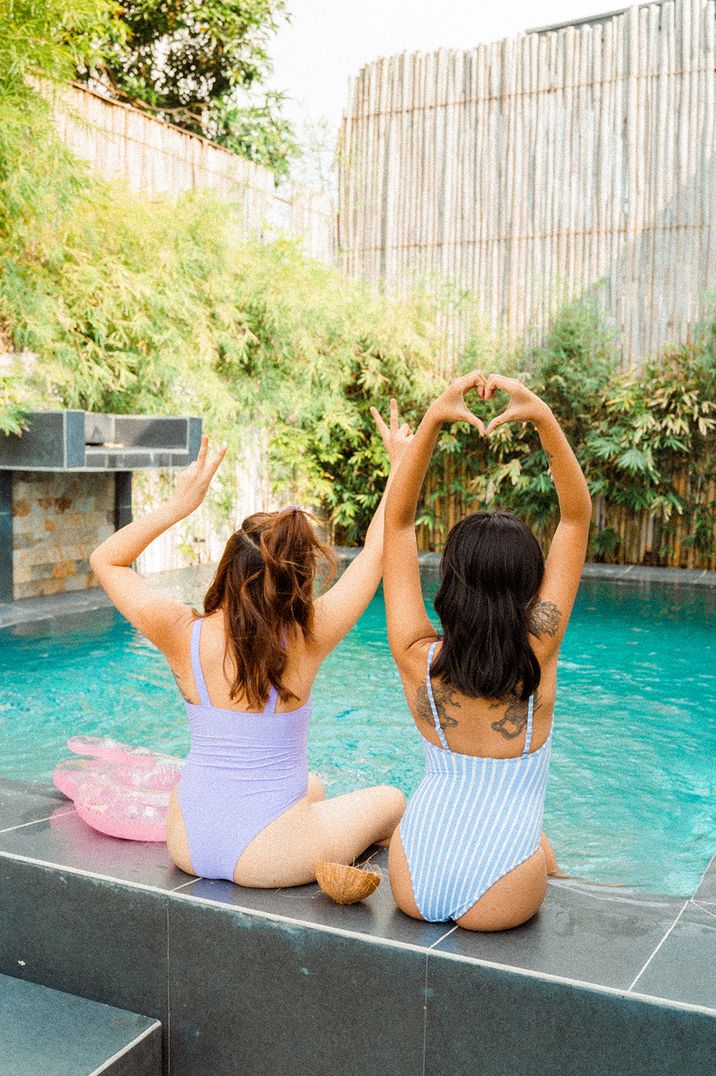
pixel 406 615
pixel 155 616
pixel 552 606
pixel 336 611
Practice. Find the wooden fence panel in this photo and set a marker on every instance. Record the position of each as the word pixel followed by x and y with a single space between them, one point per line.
pixel 530 171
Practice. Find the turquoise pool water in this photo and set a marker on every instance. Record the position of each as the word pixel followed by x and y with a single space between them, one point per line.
pixel 631 792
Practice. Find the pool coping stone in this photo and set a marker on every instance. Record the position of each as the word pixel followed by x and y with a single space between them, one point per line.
pixel 64 842
pixel 552 952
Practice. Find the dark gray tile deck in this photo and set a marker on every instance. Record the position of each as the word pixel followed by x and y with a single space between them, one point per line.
pixel 684 967
pixel 584 933
pixel 226 967
pixel 706 891
pixel 22 803
pixel 101 940
pixel 377 916
pixel 67 841
pixel 49 1032
pixel 34 610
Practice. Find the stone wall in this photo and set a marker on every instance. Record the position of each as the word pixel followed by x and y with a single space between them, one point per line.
pixel 58 519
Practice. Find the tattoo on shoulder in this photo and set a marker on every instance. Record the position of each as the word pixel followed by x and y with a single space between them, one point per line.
pixel 514 719
pixel 443 695
pixel 181 689
pixel 543 618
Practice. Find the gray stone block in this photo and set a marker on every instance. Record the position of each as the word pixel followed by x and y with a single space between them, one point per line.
pixel 41 445
pixel 194 439
pixel 99 429
pixel 135 431
pixel 74 438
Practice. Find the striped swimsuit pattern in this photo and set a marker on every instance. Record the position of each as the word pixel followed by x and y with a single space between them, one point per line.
pixel 471 820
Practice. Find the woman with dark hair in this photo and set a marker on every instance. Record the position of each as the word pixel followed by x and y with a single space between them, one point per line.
pixel 246 808
pixel 470 846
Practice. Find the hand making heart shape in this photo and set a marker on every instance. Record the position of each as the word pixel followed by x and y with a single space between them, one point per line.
pixel 524 405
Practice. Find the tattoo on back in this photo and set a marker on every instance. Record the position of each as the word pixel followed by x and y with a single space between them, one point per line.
pixel 444 696
pixel 514 719
pixel 181 689
pixel 543 618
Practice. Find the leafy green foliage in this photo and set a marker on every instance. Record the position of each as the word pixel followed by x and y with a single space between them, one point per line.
pixel 646 440
pixel 200 66
pixel 149 305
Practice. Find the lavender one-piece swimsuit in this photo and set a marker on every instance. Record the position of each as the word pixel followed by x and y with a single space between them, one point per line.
pixel 244 769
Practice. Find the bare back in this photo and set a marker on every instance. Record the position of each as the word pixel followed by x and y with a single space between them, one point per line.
pixel 487 728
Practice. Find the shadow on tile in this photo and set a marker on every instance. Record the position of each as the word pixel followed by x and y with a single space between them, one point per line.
pixel 100 940
pixel 587 933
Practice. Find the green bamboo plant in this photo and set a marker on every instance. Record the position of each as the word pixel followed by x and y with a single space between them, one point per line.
pixel 133 304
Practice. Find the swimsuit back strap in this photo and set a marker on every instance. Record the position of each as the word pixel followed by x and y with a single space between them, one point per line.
pixel 270 707
pixel 528 734
pixel 433 707
pixel 196 663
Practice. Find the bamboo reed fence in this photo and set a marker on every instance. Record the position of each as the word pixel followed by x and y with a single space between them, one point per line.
pixel 642 537
pixel 121 142
pixel 529 171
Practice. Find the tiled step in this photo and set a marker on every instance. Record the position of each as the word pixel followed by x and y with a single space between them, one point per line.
pixel 56 1034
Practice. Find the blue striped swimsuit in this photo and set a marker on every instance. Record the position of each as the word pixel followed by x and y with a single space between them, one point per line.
pixel 471 820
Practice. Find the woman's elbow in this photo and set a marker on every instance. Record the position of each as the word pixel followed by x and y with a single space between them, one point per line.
pixel 97 562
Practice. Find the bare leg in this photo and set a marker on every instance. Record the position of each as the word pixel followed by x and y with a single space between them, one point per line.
pixel 337 829
pixel 356 820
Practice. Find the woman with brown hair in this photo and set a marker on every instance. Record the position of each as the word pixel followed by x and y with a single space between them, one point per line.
pixel 246 808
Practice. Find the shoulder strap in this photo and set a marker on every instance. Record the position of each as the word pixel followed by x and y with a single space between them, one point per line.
pixel 196 663
pixel 270 707
pixel 433 707
pixel 528 734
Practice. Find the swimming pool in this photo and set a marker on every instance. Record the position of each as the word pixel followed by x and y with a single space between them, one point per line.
pixel 631 791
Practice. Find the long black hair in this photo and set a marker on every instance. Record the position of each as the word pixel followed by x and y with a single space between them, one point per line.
pixel 492 567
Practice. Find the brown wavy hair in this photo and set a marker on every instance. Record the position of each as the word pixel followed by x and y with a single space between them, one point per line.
pixel 265 583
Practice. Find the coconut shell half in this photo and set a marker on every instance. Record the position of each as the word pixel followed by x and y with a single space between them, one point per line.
pixel 346 885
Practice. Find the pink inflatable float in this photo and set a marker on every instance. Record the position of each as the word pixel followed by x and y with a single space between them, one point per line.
pixel 119 790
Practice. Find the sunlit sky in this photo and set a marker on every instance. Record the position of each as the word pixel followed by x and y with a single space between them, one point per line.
pixel 327 41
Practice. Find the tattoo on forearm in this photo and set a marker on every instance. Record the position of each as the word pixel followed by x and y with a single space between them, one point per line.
pixel 543 618
pixel 443 695
pixel 514 719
